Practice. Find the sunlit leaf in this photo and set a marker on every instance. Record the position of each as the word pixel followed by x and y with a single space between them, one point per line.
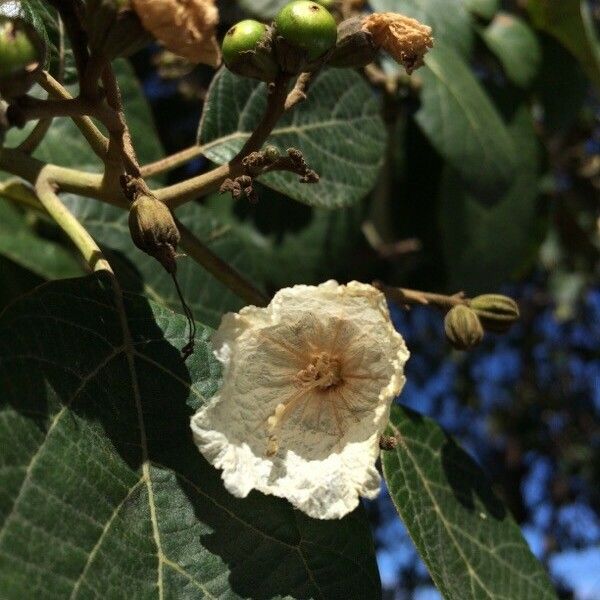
pixel 470 543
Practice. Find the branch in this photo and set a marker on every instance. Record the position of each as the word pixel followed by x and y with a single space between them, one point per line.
pixel 219 269
pixel 84 242
pixel 278 102
pixel 35 138
pixel 406 297
pixel 92 134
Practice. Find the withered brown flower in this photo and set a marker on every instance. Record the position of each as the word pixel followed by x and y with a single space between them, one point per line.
pixel 406 40
pixel 186 27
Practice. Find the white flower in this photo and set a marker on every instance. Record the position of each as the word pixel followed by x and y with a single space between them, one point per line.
pixel 307 388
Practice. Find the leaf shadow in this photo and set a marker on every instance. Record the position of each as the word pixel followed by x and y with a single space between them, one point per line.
pixel 468 482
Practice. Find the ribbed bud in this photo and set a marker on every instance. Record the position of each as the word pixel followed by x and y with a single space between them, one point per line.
pixel 114 28
pixel 153 230
pixel 463 327
pixel 354 47
pixel 496 312
pixel 22 55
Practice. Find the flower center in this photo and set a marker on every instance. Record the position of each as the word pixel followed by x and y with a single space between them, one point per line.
pixel 323 372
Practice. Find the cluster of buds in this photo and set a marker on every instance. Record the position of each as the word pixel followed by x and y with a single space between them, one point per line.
pixel 269 159
pixel 465 324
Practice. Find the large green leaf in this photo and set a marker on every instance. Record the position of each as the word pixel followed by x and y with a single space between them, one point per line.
pixel 516 46
pixel 138 272
pixel 485 246
pixel 449 19
pixel 265 9
pixel 471 545
pixel 104 493
pixel 19 243
pixel 486 9
pixel 570 22
pixel 463 125
pixel 303 244
pixel 339 130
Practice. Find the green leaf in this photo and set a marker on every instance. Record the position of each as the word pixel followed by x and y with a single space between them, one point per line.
pixel 303 244
pixel 449 19
pixel 485 246
pixel 138 272
pixel 486 9
pixel 15 281
pixel 463 125
pixel 20 244
pixel 338 128
pixel 516 46
pixel 570 22
pixel 468 540
pixel 104 493
pixel 264 9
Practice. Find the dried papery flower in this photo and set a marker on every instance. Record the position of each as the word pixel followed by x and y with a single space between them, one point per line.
pixel 307 386
pixel 406 40
pixel 186 27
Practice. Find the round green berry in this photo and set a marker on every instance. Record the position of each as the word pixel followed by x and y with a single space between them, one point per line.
pixel 242 37
pixel 18 52
pixel 308 26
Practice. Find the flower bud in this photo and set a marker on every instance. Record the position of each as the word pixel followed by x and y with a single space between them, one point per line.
pixel 496 312
pixel 406 40
pixel 114 28
pixel 153 230
pixel 22 54
pixel 355 47
pixel 463 327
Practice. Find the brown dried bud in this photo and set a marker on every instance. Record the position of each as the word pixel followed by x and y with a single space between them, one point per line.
pixel 406 40
pixel 354 47
pixel 153 230
pixel 463 328
pixel 496 312
pixel 185 27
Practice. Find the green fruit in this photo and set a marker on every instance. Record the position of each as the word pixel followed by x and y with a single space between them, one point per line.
pixel 308 26
pixel 242 37
pixel 18 52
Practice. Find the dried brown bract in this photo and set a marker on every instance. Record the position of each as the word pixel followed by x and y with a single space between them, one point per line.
pixel 406 40
pixel 186 27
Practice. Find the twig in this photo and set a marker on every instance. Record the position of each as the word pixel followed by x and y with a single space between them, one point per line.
pixel 84 242
pixel 406 297
pixel 92 134
pixel 37 134
pixel 172 161
pixel 219 269
pixel 118 129
pixel 179 193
